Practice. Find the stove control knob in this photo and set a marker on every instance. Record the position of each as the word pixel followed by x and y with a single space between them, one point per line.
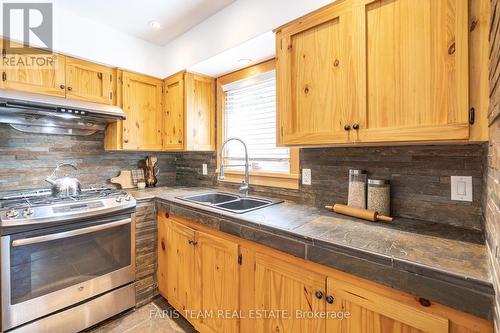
pixel 12 213
pixel 28 211
pixel 128 198
pixel 119 199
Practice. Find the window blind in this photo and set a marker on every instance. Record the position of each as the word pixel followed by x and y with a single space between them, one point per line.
pixel 250 114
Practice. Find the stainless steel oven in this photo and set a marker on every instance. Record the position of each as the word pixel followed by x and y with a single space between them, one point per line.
pixel 48 270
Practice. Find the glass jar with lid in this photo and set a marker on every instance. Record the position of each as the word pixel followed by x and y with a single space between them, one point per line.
pixel 357 188
pixel 379 196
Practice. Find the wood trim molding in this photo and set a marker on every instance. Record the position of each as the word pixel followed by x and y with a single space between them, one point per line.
pixel 290 180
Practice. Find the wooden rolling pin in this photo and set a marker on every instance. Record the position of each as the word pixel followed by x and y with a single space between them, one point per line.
pixel 361 213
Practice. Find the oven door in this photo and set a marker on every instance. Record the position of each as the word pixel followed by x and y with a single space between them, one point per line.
pixel 50 269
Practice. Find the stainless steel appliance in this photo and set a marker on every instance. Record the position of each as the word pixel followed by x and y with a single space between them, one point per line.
pixel 35 113
pixel 66 262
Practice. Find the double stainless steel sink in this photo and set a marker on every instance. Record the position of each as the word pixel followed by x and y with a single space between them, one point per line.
pixel 229 202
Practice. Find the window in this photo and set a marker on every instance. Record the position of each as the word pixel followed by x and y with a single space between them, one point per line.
pixel 247 110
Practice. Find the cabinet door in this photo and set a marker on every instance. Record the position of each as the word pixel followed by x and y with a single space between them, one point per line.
pixel 89 82
pixel 142 130
pixel 415 71
pixel 200 112
pixel 39 72
pixel 288 294
pixel 174 112
pixel 317 79
pixel 217 284
pixel 180 266
pixel 371 312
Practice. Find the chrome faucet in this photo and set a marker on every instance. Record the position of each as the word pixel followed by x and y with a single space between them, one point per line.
pixel 245 184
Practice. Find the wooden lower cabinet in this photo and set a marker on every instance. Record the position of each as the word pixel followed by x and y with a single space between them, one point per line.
pixel 371 312
pixel 234 285
pixel 198 274
pixel 216 283
pixel 284 295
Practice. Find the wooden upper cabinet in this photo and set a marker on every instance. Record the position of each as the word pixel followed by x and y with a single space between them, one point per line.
pixel 189 108
pixel 217 283
pixel 174 105
pixel 89 82
pixel 288 290
pixel 142 104
pixel 386 70
pixel 200 112
pixel 317 86
pixel 38 72
pixel 371 312
pixel 416 70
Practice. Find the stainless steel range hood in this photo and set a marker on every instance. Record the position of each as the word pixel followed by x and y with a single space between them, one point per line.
pixel 34 113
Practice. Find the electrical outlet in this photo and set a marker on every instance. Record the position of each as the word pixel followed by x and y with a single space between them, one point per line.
pixel 461 188
pixel 204 167
pixel 306 177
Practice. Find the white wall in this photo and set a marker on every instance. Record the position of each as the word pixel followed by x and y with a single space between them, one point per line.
pixel 235 24
pixel 239 22
pixel 83 38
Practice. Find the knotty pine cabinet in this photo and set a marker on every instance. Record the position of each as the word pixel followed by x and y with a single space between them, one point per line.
pixel 89 82
pixel 198 273
pixel 265 290
pixel 56 75
pixel 368 71
pixel 189 112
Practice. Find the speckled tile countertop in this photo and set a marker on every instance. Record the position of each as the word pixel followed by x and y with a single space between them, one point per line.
pixel 435 261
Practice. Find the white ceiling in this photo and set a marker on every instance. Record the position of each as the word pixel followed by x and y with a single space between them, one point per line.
pixel 133 16
pixel 255 50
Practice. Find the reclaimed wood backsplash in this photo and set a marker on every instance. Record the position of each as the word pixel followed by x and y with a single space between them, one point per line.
pixel 27 159
pixel 492 176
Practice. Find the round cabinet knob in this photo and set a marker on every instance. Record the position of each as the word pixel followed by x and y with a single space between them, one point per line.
pixel 355 126
pixel 62 86
pixel 319 294
pixel 347 127
pixel 163 245
pixel 330 299
pixel 70 88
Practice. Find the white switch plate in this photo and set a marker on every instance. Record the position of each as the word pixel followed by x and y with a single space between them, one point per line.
pixel 204 167
pixel 461 188
pixel 306 177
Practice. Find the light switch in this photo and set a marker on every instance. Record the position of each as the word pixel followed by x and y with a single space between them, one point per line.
pixel 204 168
pixel 461 188
pixel 306 177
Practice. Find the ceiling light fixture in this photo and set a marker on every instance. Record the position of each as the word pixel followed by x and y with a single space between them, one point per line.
pixel 245 61
pixel 155 25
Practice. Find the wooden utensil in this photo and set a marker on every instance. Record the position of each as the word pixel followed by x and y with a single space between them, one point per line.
pixel 124 179
pixel 361 213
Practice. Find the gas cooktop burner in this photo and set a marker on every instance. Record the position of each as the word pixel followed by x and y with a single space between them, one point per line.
pixel 44 197
pixel 41 207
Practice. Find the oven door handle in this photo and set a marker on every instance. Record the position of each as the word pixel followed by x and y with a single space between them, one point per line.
pixel 66 234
